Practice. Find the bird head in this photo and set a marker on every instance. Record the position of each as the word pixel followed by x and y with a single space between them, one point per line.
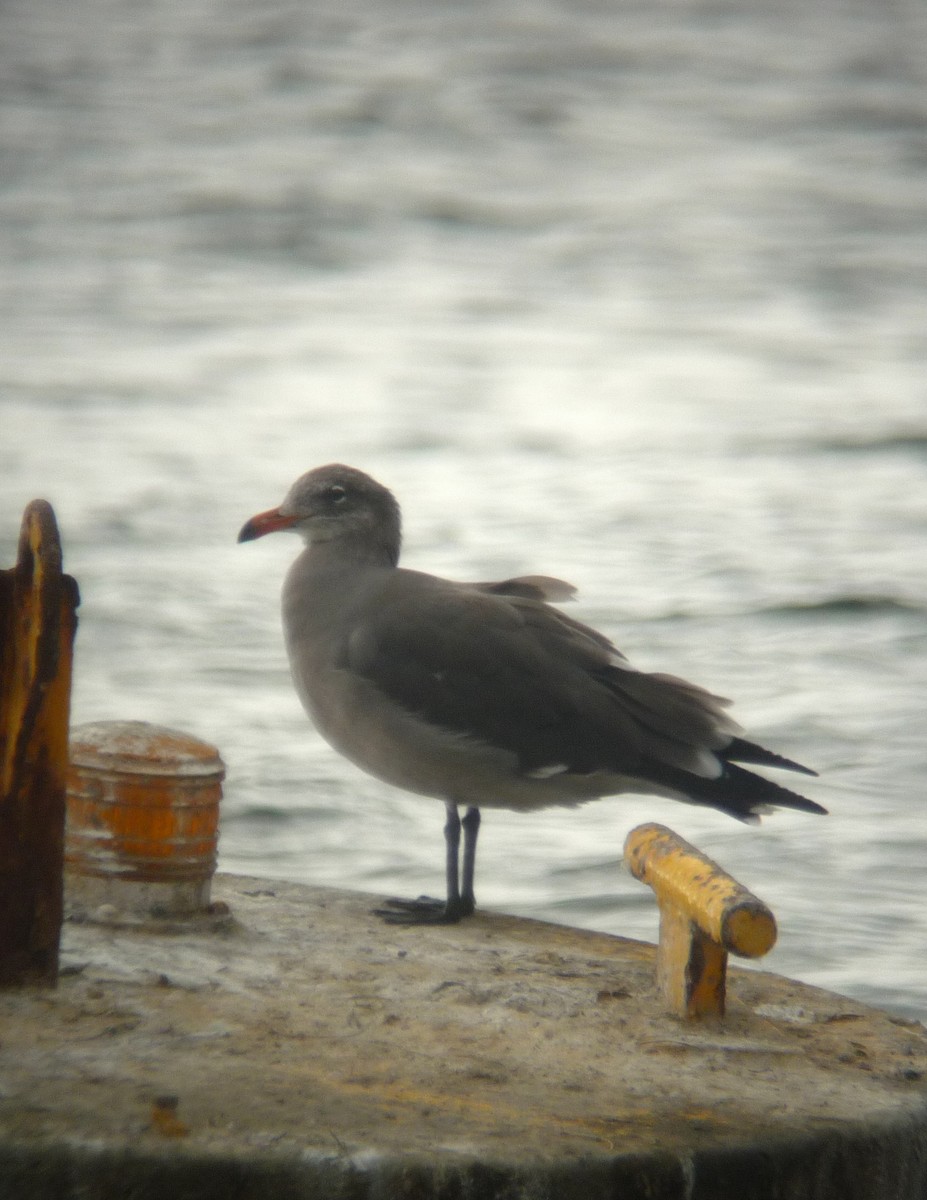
pixel 332 503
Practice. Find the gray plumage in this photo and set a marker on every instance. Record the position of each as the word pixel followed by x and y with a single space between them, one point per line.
pixel 484 694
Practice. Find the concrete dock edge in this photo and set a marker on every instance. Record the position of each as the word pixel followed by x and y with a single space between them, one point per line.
pixel 314 1053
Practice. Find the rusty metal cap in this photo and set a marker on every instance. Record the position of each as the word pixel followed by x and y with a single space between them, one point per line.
pixel 138 748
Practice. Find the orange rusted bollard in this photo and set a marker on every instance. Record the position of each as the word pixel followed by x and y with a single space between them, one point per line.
pixel 143 822
pixel 704 914
pixel 38 620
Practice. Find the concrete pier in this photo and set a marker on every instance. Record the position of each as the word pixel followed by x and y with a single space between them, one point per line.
pixel 296 1047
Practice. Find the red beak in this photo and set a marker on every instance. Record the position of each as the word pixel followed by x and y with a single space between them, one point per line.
pixel 265 522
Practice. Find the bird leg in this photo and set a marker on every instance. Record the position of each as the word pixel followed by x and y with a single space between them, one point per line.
pixel 471 829
pixel 427 911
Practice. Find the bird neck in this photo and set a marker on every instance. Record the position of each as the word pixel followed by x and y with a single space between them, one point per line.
pixel 350 551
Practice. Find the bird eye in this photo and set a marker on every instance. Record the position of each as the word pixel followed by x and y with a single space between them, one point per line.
pixel 337 494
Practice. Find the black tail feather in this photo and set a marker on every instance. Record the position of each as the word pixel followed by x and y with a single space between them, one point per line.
pixel 745 795
pixel 736 791
pixel 741 750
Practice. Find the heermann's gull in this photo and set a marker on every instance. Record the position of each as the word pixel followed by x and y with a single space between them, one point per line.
pixel 482 694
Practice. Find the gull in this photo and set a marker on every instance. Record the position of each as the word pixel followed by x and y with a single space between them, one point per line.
pixel 485 695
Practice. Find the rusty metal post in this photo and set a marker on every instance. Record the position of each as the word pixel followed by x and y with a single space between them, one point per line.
pixel 704 914
pixel 38 620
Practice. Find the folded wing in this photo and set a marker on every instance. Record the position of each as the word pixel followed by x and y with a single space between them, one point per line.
pixel 496 663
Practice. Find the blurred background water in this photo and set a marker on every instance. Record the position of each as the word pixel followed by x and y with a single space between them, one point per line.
pixel 632 294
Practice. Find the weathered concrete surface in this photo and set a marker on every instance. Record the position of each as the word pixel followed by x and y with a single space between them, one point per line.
pixel 316 1053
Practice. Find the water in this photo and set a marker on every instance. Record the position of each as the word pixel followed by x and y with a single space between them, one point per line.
pixel 633 295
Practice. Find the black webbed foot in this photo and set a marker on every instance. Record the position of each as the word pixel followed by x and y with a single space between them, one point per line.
pixel 424 911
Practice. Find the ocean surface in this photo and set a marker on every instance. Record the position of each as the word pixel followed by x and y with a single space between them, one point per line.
pixel 634 294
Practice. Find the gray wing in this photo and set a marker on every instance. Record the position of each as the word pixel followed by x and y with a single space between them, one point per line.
pixel 515 673
pixel 496 664
pixel 529 587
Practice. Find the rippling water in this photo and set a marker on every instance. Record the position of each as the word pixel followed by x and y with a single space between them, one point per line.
pixel 633 295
